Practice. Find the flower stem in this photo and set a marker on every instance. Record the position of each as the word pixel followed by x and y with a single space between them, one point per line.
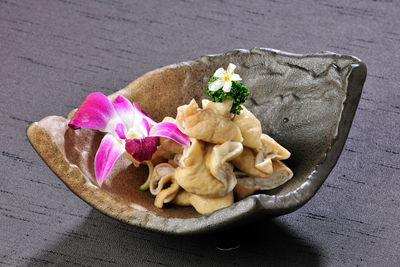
pixel 146 185
pixel 128 156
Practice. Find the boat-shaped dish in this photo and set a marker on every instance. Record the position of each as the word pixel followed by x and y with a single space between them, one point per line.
pixel 305 102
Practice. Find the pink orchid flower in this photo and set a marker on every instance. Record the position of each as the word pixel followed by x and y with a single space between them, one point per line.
pixel 129 129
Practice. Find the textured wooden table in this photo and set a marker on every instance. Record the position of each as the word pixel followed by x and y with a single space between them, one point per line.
pixel 54 53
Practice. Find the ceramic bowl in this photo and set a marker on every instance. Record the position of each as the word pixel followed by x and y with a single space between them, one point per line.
pixel 305 102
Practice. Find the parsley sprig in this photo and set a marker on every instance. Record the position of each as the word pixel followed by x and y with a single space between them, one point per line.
pixel 238 94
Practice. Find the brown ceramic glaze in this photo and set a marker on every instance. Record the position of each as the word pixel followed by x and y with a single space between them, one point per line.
pixel 305 102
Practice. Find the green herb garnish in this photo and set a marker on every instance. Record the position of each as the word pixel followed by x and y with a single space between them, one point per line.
pixel 238 94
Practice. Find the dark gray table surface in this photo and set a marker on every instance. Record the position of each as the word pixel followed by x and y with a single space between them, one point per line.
pixel 54 53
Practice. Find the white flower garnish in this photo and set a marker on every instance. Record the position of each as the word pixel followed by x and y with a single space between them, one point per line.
pixel 225 78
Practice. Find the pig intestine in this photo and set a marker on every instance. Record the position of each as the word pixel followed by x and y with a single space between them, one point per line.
pixel 202 175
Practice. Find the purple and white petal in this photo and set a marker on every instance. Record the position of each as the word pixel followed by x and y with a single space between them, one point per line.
pixel 125 110
pixel 96 112
pixel 142 114
pixel 227 87
pixel 142 149
pixel 231 68
pixel 120 130
pixel 146 125
pixel 109 151
pixel 171 131
pixel 219 73
pixel 218 84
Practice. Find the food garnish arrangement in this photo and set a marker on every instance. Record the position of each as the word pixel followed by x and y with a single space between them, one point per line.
pixel 205 157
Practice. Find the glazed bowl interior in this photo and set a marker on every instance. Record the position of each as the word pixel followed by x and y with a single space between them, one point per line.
pixel 305 102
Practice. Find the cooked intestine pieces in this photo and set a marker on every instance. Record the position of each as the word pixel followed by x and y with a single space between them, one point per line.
pixel 182 198
pixel 201 175
pixel 192 174
pixel 259 162
pixel 202 204
pixel 217 157
pixel 163 184
pixel 247 185
pixel 223 109
pixel 163 174
pixel 166 195
pixel 250 128
pixel 208 124
pixel 242 191
pixel 170 145
pixel 161 155
pixel 169 119
pixel 246 163
pixel 204 170
pixel 269 151
pixel 206 205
